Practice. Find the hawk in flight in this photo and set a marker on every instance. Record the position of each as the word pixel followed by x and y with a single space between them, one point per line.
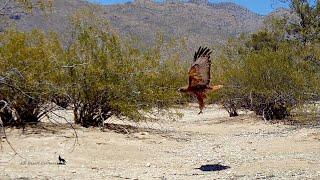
pixel 199 76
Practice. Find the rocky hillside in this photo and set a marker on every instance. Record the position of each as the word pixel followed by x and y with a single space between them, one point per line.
pixel 197 21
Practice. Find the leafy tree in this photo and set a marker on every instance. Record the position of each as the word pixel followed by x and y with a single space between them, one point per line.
pixel 307 28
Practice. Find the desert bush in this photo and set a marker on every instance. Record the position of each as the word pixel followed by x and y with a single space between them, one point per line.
pixel 276 69
pixel 28 62
pixel 106 75
pixel 98 74
pixel 267 77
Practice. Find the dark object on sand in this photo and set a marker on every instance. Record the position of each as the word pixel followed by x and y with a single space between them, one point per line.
pixel 61 161
pixel 213 167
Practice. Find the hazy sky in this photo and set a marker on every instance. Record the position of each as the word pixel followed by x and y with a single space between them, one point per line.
pixel 259 6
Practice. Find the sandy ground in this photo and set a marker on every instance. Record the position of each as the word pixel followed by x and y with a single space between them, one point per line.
pixel 234 148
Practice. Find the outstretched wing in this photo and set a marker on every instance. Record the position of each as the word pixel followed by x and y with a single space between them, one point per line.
pixel 199 73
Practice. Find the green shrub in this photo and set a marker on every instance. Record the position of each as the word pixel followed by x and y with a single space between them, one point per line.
pixel 268 78
pixel 28 62
pixel 105 75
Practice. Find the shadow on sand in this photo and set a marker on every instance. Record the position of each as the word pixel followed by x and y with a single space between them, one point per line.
pixel 213 167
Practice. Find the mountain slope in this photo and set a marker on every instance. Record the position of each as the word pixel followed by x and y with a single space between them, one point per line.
pixel 212 23
pixel 203 24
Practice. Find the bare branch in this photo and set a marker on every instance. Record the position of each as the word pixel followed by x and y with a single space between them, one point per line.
pixel 74 130
pixel 2 128
pixel 4 6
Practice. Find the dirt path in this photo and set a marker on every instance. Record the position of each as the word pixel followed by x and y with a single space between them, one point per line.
pixel 237 148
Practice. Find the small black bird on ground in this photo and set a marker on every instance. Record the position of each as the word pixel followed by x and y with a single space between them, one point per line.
pixel 62 161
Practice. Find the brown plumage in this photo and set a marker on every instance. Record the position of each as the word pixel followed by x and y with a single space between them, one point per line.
pixel 199 76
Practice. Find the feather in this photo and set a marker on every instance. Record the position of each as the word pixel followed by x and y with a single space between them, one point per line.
pixel 199 73
pixel 206 52
pixel 201 52
pixel 196 54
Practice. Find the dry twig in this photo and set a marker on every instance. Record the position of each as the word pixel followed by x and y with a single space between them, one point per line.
pixel 4 131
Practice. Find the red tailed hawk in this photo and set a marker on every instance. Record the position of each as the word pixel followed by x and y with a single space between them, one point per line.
pixel 199 77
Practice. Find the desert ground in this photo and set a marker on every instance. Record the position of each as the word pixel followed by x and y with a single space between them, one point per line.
pixel 207 146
